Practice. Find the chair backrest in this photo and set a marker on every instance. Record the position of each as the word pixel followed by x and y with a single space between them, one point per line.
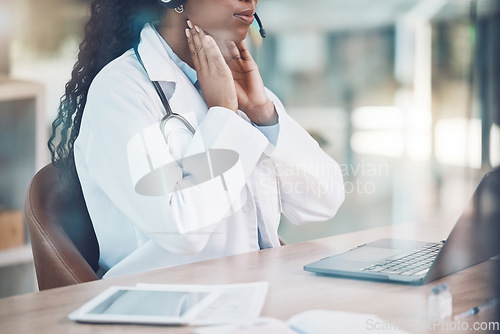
pixel 63 241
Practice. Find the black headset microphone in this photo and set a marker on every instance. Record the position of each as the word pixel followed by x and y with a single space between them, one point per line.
pixel 176 3
pixel 262 31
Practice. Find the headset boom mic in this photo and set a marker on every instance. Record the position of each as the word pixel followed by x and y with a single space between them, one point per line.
pixel 262 31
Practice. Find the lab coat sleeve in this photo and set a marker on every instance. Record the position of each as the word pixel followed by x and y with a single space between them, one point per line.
pixel 310 182
pixel 179 220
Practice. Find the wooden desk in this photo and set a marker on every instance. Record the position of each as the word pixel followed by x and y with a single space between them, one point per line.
pixel 292 290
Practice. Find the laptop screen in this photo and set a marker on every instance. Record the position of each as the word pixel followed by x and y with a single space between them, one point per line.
pixel 475 237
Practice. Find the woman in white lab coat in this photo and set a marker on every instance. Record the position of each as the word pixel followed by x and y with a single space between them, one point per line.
pixel 160 194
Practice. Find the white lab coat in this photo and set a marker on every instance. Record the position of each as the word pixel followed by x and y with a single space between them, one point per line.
pixel 137 232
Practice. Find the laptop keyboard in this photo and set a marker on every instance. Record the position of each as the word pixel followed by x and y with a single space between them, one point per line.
pixel 414 264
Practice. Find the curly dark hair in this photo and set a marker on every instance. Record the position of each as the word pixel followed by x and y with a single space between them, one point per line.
pixel 113 28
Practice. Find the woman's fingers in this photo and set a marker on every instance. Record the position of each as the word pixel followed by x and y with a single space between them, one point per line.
pixel 237 56
pixel 196 47
pixel 215 78
pixel 212 51
pixel 243 51
pixel 214 54
pixel 192 49
pixel 233 51
pixel 205 48
pixel 238 50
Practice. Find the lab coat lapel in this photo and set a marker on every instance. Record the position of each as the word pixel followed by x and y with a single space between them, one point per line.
pixel 156 60
pixel 183 97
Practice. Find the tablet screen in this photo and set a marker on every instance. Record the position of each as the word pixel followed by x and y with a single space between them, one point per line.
pixel 149 303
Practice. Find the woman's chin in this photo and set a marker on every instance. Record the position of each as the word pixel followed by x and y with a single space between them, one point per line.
pixel 234 36
pixel 240 36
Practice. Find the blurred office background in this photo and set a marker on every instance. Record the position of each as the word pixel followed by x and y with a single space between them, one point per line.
pixel 404 94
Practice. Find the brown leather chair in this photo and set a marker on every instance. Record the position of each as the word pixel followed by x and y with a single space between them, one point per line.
pixel 63 241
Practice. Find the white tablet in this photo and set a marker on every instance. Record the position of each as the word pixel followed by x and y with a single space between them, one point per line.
pixel 145 305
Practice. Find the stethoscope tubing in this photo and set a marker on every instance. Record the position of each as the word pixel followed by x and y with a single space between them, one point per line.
pixel 168 110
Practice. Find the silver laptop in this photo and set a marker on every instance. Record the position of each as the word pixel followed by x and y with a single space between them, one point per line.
pixel 473 239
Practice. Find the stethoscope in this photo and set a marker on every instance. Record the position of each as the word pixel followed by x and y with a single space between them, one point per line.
pixel 170 115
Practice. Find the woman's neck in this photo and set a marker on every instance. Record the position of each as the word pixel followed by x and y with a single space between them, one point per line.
pixel 172 29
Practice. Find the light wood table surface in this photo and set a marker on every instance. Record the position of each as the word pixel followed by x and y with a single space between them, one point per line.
pixel 291 289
